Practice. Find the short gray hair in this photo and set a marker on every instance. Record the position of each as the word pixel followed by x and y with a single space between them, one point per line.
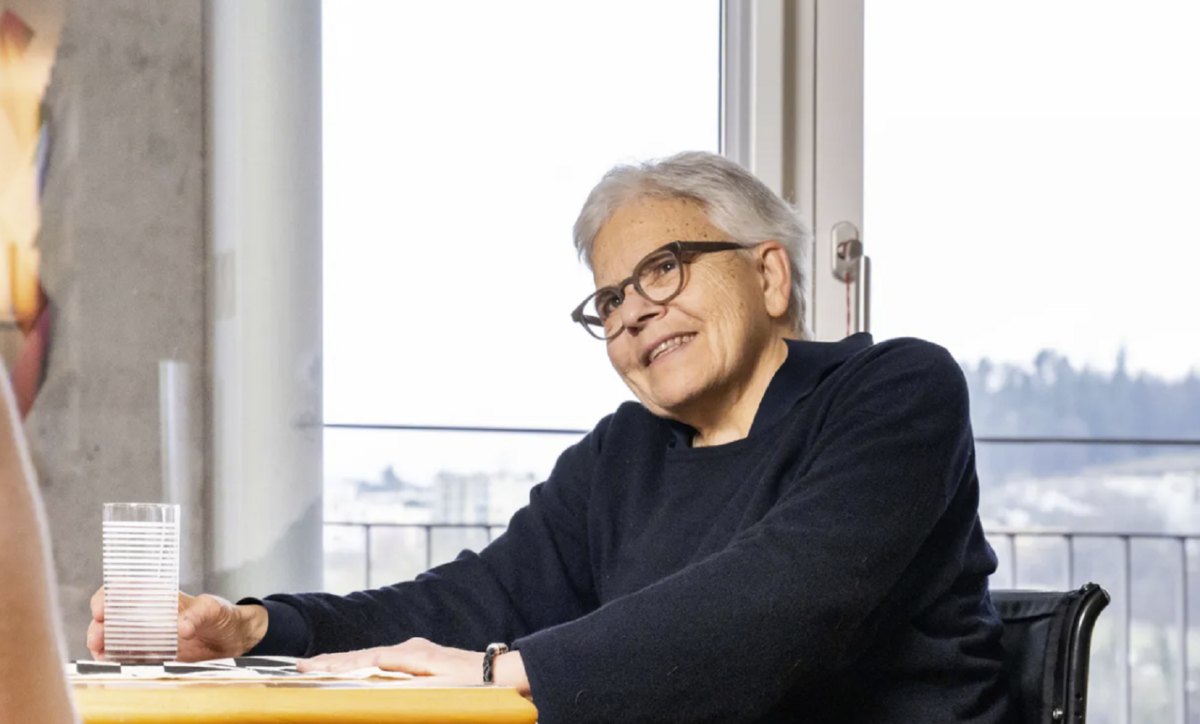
pixel 735 201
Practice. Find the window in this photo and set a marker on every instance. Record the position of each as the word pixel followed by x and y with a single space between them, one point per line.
pixel 1030 170
pixel 460 141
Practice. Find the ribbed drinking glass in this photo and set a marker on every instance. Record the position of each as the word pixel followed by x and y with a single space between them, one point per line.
pixel 141 582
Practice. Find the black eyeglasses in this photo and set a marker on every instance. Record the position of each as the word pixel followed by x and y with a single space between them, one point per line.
pixel 658 277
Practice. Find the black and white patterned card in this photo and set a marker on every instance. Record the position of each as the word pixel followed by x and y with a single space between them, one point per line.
pixel 243 667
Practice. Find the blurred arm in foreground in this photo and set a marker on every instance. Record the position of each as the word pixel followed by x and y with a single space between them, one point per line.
pixel 33 686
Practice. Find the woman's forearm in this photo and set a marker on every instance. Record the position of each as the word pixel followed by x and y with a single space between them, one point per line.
pixel 510 671
pixel 33 685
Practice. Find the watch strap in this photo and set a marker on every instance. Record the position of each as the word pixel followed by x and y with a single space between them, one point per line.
pixel 489 661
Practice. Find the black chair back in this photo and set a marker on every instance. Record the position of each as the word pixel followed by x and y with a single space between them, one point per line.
pixel 1048 639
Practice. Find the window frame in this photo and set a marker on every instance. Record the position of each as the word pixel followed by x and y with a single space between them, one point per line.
pixel 792 83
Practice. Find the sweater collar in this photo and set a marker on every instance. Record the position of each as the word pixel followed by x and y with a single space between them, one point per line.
pixel 806 366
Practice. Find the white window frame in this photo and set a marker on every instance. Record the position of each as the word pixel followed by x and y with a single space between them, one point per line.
pixel 792 113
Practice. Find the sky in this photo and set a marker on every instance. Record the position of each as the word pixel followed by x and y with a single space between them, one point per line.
pixel 1031 175
pixel 1029 171
pixel 456 157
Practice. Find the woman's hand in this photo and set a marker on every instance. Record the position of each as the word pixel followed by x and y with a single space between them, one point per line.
pixel 420 657
pixel 209 627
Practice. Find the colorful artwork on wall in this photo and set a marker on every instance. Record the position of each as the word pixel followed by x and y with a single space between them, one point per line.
pixel 29 33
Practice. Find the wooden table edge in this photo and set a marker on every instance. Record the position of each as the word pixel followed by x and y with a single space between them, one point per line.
pixel 264 704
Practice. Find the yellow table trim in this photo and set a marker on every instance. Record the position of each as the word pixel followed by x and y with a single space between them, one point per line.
pixel 172 702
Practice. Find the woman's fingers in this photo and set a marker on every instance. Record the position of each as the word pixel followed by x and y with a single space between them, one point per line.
pixel 95 640
pixel 415 656
pixel 350 661
pixel 187 628
pixel 201 626
pixel 97 605
pixel 209 628
pixel 95 630
pixel 195 616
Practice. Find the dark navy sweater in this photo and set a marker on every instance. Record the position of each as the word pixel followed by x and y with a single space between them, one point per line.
pixel 830 567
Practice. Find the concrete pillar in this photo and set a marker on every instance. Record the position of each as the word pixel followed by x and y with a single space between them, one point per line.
pixel 264 183
pixel 123 258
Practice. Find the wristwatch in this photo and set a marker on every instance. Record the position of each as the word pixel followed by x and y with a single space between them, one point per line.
pixel 489 659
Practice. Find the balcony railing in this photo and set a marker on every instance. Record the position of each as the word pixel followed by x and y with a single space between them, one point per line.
pixel 1141 667
pixel 1141 650
pixel 426 531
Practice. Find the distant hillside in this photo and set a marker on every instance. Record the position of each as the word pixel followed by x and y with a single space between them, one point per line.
pixel 1052 398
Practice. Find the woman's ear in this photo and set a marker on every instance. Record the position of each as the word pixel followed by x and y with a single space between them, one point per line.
pixel 776 271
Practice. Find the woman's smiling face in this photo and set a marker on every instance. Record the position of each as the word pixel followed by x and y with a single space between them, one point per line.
pixel 708 340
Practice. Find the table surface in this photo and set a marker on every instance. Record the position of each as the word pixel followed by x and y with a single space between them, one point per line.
pixel 297 702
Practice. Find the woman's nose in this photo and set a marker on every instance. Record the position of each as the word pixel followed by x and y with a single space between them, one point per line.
pixel 636 311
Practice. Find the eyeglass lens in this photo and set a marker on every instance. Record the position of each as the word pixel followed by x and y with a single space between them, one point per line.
pixel 658 278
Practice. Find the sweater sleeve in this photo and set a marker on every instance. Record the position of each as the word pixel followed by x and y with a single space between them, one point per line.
pixel 535 575
pixel 728 637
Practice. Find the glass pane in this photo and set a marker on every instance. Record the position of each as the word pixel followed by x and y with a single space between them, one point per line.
pixel 1090 488
pixel 345 558
pixel 460 141
pixel 1128 518
pixel 397 554
pixel 422 497
pixel 1152 605
pixel 447 543
pixel 1031 170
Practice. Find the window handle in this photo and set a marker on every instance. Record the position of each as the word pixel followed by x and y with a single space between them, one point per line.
pixel 853 268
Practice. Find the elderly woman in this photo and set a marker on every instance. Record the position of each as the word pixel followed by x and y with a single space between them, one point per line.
pixel 781 530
